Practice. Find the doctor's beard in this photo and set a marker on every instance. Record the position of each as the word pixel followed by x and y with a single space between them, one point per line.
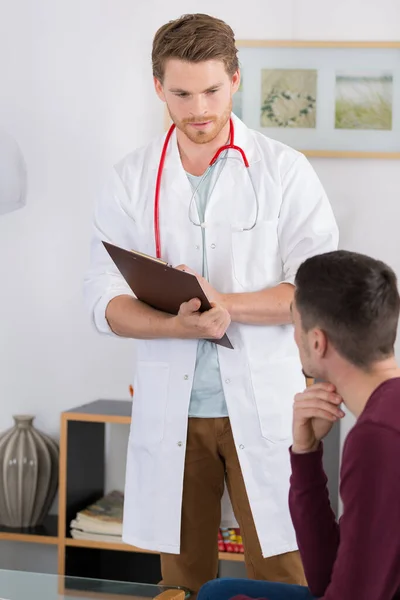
pixel 207 135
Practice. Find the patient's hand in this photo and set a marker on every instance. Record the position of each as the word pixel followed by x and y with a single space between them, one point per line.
pixel 314 412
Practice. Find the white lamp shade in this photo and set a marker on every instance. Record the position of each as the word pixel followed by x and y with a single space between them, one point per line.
pixel 13 179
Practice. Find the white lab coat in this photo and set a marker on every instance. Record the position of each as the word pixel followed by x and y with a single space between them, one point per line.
pixel 263 373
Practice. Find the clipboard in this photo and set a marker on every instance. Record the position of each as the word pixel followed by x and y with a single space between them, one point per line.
pixel 159 285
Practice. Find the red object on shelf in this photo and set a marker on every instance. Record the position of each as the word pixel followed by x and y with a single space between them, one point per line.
pixel 231 539
pixel 221 543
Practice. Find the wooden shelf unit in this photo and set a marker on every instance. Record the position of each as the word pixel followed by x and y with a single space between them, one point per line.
pixel 81 482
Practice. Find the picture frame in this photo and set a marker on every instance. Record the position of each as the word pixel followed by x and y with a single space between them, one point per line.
pixel 324 98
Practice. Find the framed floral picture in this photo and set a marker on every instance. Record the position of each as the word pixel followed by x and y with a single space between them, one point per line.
pixel 324 98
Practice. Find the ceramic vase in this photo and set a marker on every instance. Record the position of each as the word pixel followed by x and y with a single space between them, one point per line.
pixel 29 474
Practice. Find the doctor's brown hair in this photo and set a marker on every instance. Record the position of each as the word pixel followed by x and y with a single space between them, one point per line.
pixel 194 38
pixel 354 299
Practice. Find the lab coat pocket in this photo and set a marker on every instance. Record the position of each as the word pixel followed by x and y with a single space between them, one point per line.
pixel 275 387
pixel 256 258
pixel 149 403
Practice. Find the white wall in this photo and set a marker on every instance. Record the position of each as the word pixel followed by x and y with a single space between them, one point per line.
pixel 76 92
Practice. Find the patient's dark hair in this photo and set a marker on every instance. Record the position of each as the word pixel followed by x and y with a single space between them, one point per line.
pixel 354 299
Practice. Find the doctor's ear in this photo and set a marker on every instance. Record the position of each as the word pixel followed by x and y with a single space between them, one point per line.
pixel 158 86
pixel 235 81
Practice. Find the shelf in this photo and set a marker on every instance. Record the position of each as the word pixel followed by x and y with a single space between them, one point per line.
pixel 100 545
pixel 44 534
pixel 101 411
pixel 231 556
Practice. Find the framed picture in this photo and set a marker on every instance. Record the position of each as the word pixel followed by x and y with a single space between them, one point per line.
pixel 328 99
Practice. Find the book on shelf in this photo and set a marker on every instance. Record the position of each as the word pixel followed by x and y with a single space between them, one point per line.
pixel 78 534
pixel 102 517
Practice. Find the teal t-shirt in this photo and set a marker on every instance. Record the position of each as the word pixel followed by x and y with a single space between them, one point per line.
pixel 207 399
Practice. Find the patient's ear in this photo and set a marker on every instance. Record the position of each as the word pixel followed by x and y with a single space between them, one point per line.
pixel 319 342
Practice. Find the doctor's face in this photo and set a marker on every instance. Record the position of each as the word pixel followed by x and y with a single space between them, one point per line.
pixel 198 97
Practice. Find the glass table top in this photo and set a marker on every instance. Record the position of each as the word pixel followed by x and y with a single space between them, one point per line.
pixel 23 585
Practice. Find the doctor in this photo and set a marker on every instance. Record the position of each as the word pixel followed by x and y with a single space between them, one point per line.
pixel 204 415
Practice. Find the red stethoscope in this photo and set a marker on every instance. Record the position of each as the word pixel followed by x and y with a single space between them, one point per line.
pixel 229 146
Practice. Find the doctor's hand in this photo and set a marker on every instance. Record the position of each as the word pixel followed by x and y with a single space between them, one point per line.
pixel 211 324
pixel 314 413
pixel 208 289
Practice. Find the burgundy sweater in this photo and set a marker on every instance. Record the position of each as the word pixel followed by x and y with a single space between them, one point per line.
pixel 359 557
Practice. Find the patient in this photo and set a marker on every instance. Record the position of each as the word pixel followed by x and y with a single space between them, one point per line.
pixel 345 315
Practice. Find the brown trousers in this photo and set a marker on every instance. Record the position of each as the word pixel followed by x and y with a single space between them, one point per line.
pixel 211 458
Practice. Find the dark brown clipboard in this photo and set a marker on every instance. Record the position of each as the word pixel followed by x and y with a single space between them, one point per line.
pixel 159 285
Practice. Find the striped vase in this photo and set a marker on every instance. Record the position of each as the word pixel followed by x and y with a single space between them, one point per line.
pixel 29 474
